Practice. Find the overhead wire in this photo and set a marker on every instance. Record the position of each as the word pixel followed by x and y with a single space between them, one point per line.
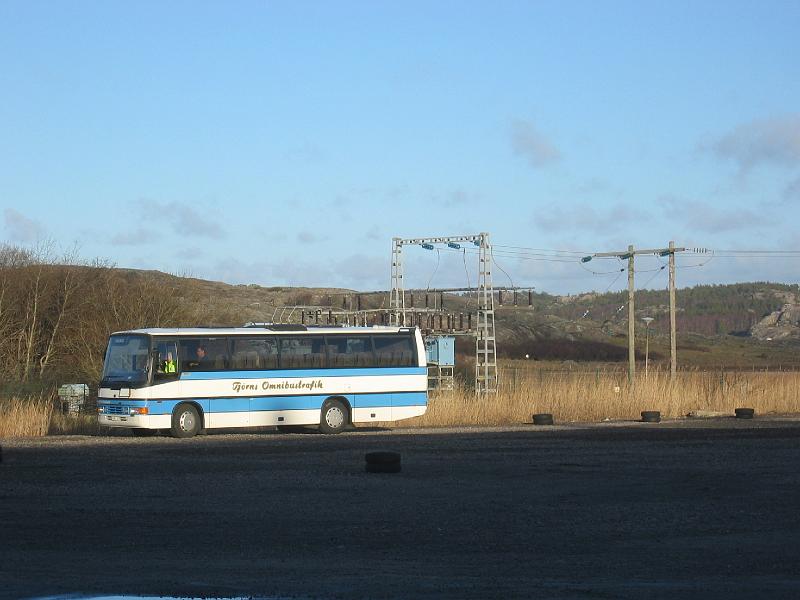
pixel 702 264
pixel 511 281
pixel 579 252
pixel 434 270
pixel 466 270
pixel 521 256
pixel 656 274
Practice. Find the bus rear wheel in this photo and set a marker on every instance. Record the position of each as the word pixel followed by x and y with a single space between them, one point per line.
pixel 334 417
pixel 185 421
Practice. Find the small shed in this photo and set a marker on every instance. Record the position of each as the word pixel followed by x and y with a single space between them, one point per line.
pixel 441 350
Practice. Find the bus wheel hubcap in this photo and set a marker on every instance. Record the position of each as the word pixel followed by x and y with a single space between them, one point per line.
pixel 187 422
pixel 334 417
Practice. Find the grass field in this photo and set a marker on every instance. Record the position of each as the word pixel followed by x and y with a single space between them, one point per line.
pixel 585 395
pixel 577 395
pixel 37 415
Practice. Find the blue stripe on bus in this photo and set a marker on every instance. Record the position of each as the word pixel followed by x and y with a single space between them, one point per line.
pixel 394 399
pixel 410 399
pixel 272 403
pixel 266 374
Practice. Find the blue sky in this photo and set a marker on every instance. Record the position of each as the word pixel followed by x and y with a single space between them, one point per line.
pixel 287 143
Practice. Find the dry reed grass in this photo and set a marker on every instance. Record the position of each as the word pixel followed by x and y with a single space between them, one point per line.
pixel 62 424
pixel 569 396
pixel 37 416
pixel 585 396
pixel 25 416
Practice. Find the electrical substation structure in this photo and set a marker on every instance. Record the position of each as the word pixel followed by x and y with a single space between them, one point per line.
pixel 424 308
pixel 486 375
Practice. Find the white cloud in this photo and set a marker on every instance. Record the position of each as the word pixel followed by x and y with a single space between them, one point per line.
pixel 773 141
pixel 527 142
pixel 697 215
pixel 587 217
pixel 21 228
pixel 309 237
pixel 136 237
pixel 185 219
pixel 792 190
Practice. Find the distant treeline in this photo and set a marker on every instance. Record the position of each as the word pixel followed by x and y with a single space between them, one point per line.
pixel 705 309
pixel 56 313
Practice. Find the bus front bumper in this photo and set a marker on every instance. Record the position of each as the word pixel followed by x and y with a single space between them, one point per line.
pixel 124 420
pixel 140 421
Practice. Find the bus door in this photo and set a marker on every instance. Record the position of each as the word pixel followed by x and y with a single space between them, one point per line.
pixel 166 368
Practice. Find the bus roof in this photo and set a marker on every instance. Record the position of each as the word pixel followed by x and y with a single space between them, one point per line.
pixel 256 330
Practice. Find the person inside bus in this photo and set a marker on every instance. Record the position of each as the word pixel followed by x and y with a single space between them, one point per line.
pixel 168 366
pixel 200 359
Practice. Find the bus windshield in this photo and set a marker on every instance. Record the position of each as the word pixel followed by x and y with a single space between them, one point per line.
pixel 126 359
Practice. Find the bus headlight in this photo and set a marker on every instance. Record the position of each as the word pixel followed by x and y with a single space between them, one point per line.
pixel 136 410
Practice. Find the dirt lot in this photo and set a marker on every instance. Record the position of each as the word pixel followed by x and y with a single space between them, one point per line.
pixel 705 509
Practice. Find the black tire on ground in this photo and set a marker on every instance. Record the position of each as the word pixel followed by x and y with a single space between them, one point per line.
pixel 382 462
pixel 651 416
pixel 185 421
pixel 745 413
pixel 144 432
pixel 543 419
pixel 333 417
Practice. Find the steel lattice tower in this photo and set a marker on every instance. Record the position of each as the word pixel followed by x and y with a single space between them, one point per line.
pixel 485 346
pixel 397 298
pixel 485 341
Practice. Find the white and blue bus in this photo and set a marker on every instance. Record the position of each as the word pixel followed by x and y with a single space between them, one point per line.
pixel 185 380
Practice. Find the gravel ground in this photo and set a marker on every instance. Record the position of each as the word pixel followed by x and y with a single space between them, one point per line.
pixel 704 509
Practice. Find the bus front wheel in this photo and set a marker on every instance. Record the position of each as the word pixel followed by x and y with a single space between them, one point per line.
pixel 185 421
pixel 334 417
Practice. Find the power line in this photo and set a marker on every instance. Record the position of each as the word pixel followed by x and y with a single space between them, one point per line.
pixel 503 270
pixel 434 270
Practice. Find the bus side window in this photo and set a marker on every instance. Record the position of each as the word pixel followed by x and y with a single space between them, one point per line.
pixel 204 354
pixel 302 352
pixel 349 351
pixel 394 351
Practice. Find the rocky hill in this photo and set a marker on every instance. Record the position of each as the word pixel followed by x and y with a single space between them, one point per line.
pixel 783 324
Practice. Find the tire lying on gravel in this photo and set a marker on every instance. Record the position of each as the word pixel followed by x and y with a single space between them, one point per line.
pixel 543 419
pixel 382 462
pixel 745 413
pixel 651 416
pixel 185 421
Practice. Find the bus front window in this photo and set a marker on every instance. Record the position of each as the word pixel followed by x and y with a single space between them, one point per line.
pixel 126 359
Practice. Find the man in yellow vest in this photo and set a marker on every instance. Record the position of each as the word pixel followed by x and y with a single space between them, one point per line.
pixel 169 364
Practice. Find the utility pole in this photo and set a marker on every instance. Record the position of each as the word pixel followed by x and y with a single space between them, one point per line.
pixel 631 319
pixel 647 321
pixel 673 343
pixel 629 254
